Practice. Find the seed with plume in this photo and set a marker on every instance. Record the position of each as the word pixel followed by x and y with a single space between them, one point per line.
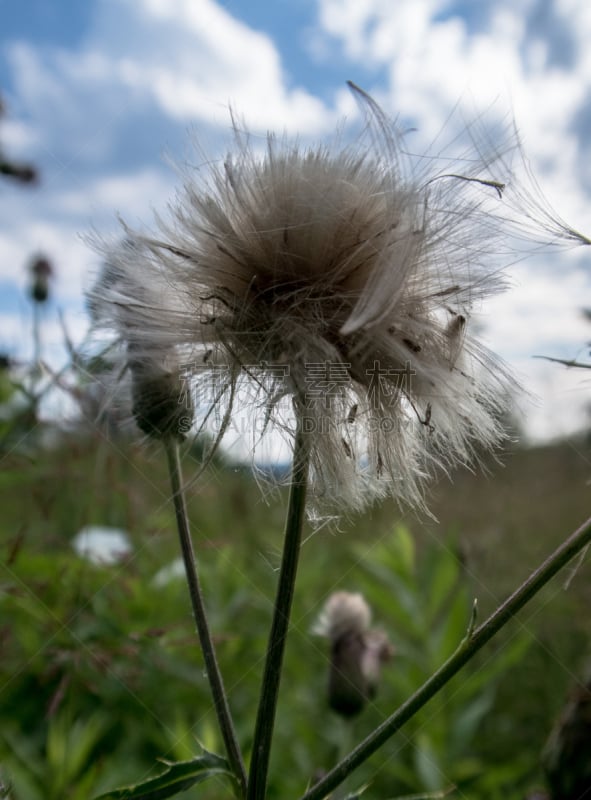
pixel 343 278
pixel 357 652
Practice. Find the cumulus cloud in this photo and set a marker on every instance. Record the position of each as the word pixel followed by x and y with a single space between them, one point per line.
pixel 501 61
pixel 541 317
pixel 190 59
pixel 435 61
pixel 97 116
pixel 88 109
pixel 541 314
pixel 54 220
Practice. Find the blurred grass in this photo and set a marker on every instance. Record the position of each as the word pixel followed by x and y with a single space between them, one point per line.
pixel 110 652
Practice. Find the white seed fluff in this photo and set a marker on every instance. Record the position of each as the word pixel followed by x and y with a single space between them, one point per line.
pixel 343 613
pixel 343 278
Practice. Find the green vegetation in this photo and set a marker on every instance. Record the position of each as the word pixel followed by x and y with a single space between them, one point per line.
pixel 101 673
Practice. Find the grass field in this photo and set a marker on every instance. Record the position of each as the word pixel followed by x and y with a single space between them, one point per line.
pixel 101 675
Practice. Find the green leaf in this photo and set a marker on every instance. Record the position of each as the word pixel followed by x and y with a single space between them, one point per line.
pixel 179 776
pixel 427 764
pixel 403 547
pixel 69 746
pixel 356 795
pixel 468 720
pixel 443 576
pixel 429 796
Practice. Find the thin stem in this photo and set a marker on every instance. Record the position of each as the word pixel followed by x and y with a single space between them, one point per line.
pixel 473 642
pixel 257 779
pixel 211 666
pixel 36 334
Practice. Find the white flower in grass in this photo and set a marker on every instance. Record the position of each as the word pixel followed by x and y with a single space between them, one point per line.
pixel 343 278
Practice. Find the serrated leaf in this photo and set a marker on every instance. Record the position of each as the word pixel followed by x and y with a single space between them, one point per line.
pixel 179 777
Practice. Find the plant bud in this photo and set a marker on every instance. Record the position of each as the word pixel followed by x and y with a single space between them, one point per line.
pixel 41 272
pixel 161 404
pixel 24 173
pixel 357 653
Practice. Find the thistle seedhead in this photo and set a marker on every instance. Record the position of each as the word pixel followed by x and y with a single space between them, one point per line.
pixel 344 278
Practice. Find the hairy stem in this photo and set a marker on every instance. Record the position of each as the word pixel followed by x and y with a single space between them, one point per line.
pixel 211 665
pixel 473 642
pixel 257 779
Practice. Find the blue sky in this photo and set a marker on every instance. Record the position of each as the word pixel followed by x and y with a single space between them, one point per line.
pixel 100 93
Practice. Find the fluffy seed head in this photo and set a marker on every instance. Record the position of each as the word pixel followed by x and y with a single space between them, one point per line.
pixel 343 278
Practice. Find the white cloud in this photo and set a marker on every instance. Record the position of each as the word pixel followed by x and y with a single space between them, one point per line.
pixel 541 316
pixel 541 313
pixel 17 334
pixel 560 401
pixel 192 59
pixel 212 59
pixel 184 60
pixel 435 63
pixel 187 61
pixel 54 221
pixel 129 194
pixel 18 138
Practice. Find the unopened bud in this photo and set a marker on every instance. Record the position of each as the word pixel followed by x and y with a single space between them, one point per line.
pixel 41 272
pixel 24 173
pixel 162 405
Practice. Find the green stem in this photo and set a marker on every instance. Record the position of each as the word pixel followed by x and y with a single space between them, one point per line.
pixel 257 779
pixel 211 666
pixel 473 642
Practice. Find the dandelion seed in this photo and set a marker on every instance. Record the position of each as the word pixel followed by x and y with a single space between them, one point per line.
pixel 357 260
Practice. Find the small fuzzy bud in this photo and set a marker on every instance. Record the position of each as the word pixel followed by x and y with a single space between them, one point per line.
pixel 24 173
pixel 357 653
pixel 161 406
pixel 344 612
pixel 41 272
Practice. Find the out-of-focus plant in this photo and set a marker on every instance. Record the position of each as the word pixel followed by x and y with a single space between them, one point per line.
pixel 338 286
pixel 281 265
pixel 15 170
pixel 427 599
pixel 567 755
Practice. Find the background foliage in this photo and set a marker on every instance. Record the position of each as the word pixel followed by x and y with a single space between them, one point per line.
pixel 101 674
